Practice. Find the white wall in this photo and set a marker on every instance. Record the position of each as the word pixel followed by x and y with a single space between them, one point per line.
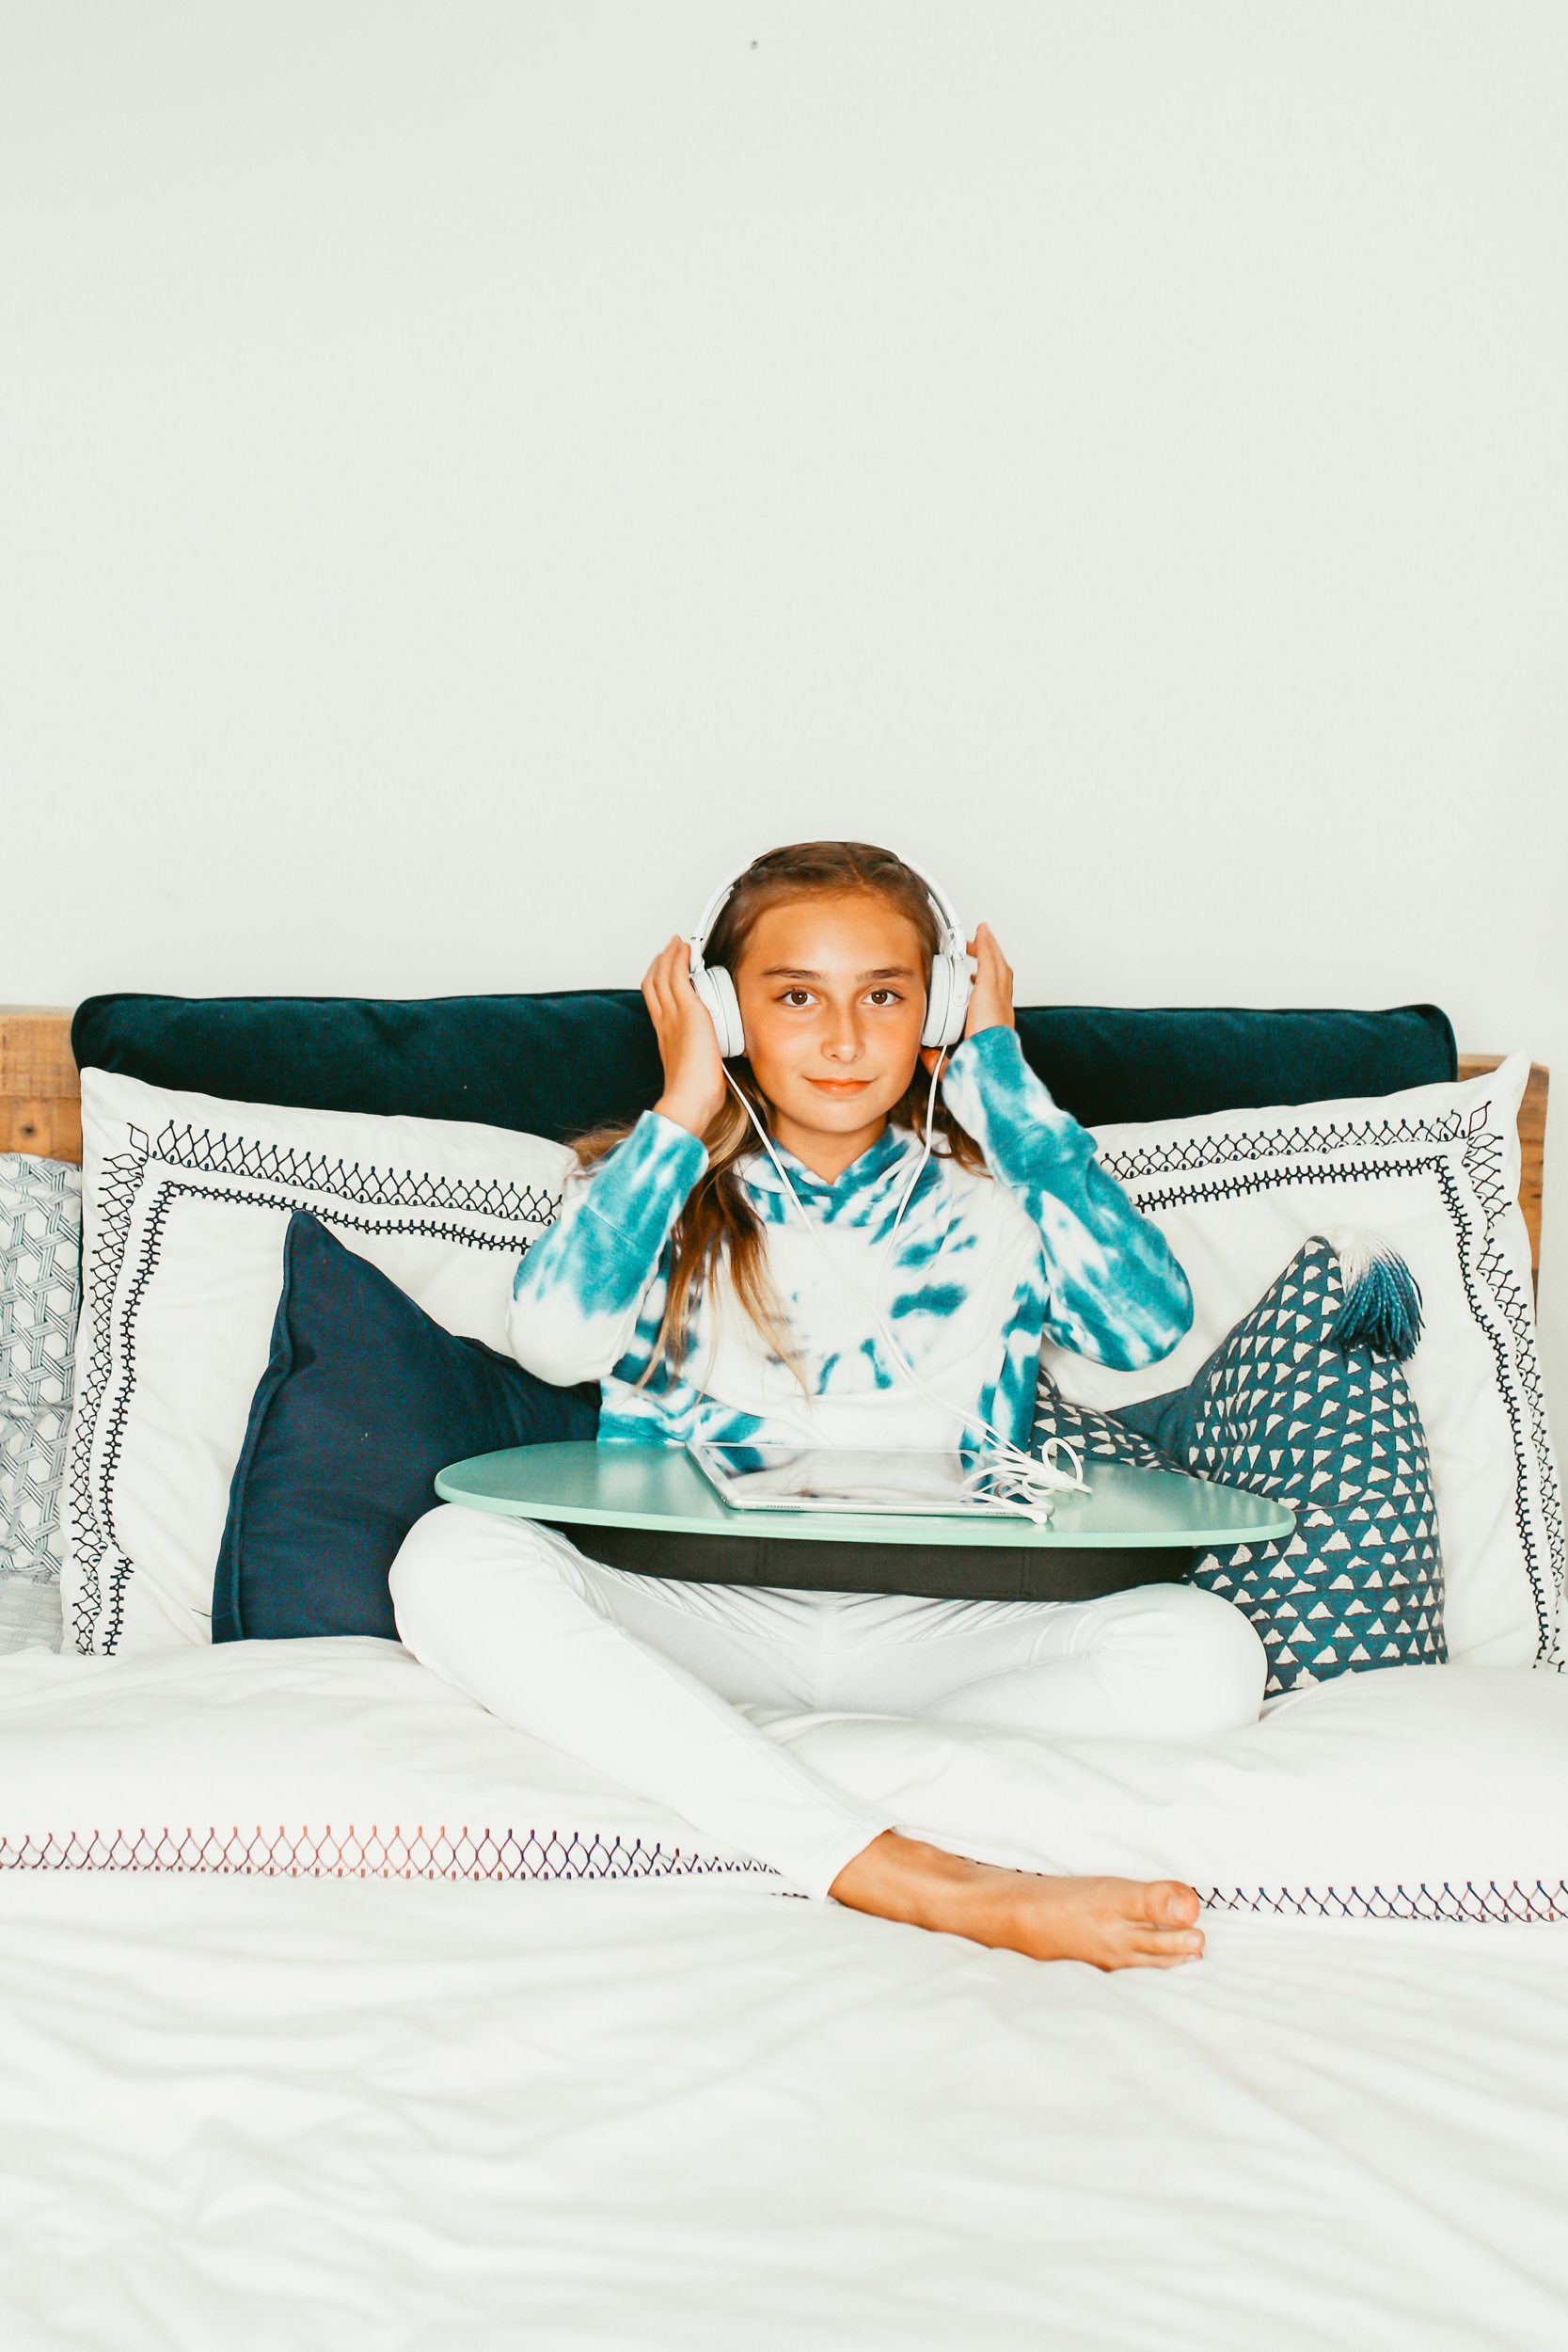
pixel 473 472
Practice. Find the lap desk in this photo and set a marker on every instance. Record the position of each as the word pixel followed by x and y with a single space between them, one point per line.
pixel 649 1508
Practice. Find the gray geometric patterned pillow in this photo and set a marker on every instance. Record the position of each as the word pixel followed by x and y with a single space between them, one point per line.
pixel 40 1251
pixel 1298 1402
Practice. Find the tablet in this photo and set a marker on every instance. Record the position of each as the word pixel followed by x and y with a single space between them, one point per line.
pixel 907 1480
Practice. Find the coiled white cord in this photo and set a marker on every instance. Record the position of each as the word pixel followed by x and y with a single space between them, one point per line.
pixel 1024 1483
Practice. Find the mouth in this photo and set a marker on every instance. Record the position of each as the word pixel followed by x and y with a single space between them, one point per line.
pixel 836 1088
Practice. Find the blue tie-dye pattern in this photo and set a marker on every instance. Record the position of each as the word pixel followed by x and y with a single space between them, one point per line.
pixel 932 1298
pixel 1115 1292
pixel 1051 1245
pixel 910 1256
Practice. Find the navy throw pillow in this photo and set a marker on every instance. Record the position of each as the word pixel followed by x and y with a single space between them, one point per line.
pixel 1305 1399
pixel 363 1400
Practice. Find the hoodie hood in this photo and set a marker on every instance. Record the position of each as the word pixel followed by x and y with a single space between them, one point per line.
pixel 856 1192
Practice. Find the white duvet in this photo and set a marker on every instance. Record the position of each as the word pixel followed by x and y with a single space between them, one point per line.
pixel 578 2080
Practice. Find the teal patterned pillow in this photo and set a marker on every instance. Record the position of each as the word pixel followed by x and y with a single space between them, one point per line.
pixel 1305 1400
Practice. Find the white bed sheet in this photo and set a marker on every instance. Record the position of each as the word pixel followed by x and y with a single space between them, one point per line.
pixel 691 2110
pixel 264 2113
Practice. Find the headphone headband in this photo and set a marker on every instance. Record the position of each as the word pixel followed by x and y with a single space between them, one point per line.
pixel 946 915
pixel 714 908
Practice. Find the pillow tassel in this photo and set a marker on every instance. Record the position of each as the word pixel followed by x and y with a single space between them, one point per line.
pixel 1382 1306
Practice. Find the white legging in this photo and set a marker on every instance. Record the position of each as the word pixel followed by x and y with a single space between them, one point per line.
pixel 642 1676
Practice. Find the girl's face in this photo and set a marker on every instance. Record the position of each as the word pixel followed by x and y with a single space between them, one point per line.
pixel 832 995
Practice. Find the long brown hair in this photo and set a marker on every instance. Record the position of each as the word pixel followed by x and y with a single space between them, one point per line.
pixel 718 1228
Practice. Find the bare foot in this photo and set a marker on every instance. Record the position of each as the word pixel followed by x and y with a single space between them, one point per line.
pixel 1110 1923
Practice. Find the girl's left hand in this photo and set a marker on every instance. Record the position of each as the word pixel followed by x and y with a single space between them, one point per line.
pixel 991 999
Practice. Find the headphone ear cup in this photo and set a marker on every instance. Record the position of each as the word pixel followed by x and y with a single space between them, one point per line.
pixel 963 989
pixel 948 1002
pixel 939 998
pixel 714 988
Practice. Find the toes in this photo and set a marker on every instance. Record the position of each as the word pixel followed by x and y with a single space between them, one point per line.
pixel 1169 1904
pixel 1184 1943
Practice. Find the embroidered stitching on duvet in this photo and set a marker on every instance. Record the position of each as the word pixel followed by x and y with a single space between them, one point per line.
pixel 1494 1900
pixel 461 1853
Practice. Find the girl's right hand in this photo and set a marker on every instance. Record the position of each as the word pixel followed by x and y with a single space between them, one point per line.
pixel 694 1085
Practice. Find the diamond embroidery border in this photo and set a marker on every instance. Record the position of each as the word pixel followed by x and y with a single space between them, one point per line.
pixel 554 1855
pixel 418 1853
pixel 1490 1901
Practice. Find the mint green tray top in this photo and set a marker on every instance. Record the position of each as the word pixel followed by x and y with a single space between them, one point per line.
pixel 659 1488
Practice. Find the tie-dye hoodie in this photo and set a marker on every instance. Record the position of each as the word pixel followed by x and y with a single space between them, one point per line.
pixel 984 1267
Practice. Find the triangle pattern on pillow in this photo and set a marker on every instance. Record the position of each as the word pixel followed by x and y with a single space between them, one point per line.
pixel 1280 1409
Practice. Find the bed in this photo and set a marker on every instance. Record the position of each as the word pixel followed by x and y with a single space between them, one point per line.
pixel 341 2014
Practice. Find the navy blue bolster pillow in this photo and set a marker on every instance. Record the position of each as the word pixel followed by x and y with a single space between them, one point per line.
pixel 363 1400
pixel 558 1064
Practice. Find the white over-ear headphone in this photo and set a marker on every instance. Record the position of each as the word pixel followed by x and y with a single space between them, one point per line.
pixel 953 970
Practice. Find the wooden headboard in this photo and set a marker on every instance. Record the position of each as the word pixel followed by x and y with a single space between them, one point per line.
pixel 41 1107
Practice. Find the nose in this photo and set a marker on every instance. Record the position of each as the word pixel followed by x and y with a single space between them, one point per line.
pixel 843 1040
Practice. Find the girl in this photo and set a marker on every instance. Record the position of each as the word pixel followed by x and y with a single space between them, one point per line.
pixel 680 1275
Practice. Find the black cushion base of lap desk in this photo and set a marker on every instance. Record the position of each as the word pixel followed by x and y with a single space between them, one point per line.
pixel 936 1571
pixel 647 1508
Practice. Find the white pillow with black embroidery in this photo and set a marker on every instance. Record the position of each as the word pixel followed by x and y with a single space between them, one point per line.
pixel 1434 1172
pixel 185 1202
pixel 40 1238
